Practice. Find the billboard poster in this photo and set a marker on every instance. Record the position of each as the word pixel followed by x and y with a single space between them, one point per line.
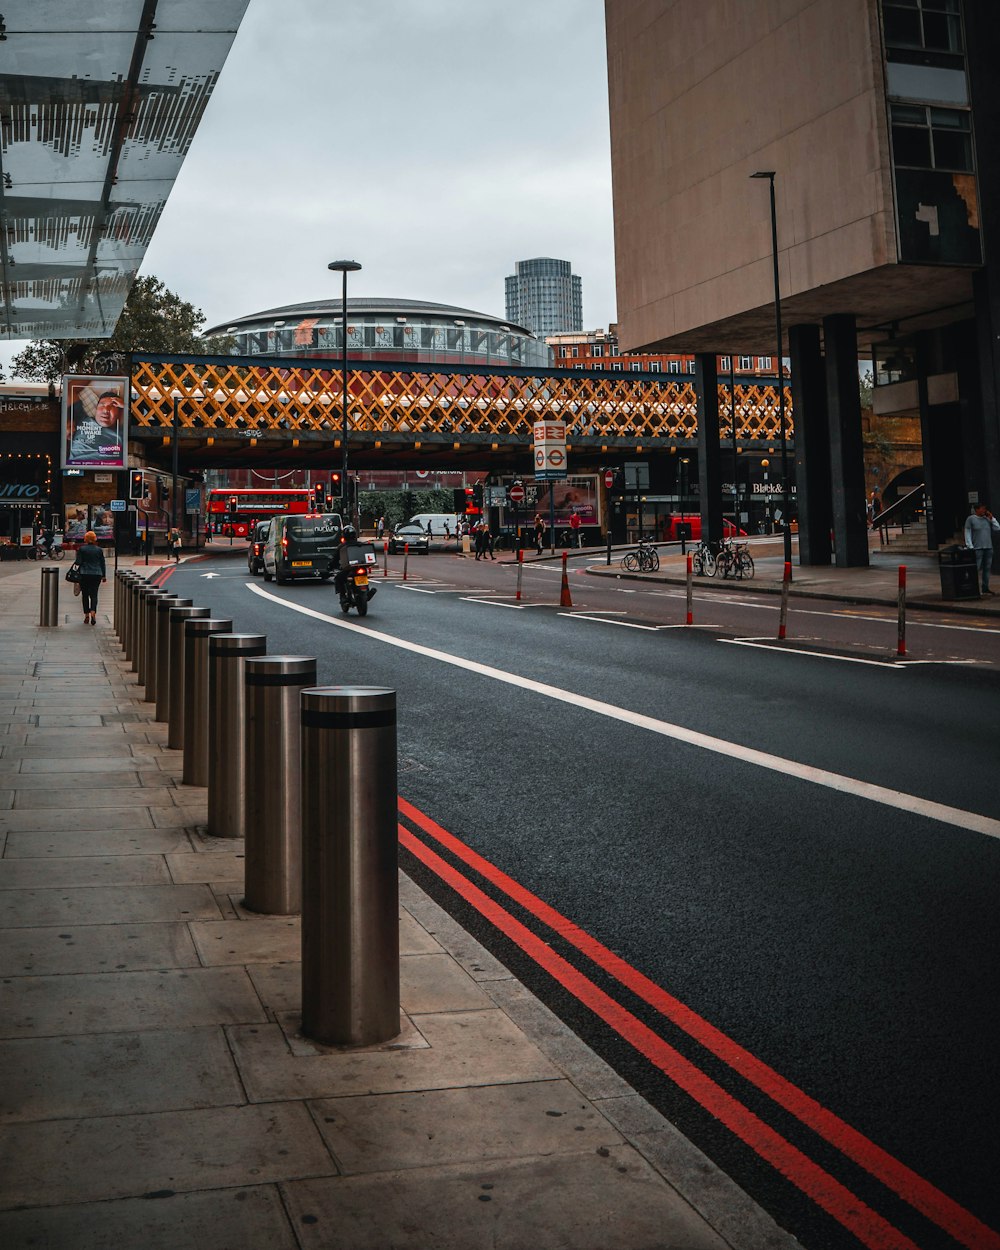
pixel 94 422
pixel 574 494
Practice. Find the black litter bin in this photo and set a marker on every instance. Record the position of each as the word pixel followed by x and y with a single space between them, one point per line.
pixel 959 575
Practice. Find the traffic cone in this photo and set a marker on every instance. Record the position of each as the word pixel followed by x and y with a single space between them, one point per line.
pixel 565 600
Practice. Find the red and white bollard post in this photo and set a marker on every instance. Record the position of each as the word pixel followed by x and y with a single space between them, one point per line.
pixel 783 614
pixel 406 558
pixel 385 557
pixel 520 569
pixel 690 592
pixel 901 613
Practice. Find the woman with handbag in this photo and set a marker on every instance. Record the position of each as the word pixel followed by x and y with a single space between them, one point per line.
pixel 93 571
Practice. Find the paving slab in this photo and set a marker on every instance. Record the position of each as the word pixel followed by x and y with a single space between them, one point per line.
pixel 81 870
pixel 426 1128
pixel 244 1218
pixel 167 999
pixel 188 866
pixel 103 765
pixel 113 780
pixel 121 793
pixel 85 842
pixel 105 905
pixel 63 1078
pixel 84 755
pixel 96 948
pixel 609 1199
pixel 164 1152
pixel 464 1049
pixel 58 820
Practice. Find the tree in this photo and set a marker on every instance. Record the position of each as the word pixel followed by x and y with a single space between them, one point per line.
pixel 154 319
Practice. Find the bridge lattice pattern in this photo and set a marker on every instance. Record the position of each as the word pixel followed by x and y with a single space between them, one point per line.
pixel 393 402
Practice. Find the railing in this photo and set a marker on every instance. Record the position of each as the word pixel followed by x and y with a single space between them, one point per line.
pixel 904 510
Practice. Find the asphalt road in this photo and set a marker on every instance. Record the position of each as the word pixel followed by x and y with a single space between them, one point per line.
pixel 762 884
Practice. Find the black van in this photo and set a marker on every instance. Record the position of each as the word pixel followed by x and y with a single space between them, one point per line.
pixel 302 545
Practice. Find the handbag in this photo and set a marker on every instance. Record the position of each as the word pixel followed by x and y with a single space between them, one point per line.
pixel 73 573
pixel 77 588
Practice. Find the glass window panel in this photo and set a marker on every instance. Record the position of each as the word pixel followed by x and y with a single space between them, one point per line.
pixel 902 27
pixel 927 82
pixel 911 113
pixel 942 32
pixel 911 147
pixel 952 150
pixel 951 118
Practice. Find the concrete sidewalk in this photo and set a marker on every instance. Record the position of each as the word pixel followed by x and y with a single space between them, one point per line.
pixel 156 1092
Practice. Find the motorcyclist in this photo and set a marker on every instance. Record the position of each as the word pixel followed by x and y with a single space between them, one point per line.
pixel 349 535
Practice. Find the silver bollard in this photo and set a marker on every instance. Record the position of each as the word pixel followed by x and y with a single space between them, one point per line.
pixel 176 679
pixel 48 611
pixel 149 644
pixel 196 636
pixel 125 578
pixel 227 731
pixel 127 581
pixel 273 821
pixel 145 594
pixel 350 891
pixel 138 586
pixel 163 606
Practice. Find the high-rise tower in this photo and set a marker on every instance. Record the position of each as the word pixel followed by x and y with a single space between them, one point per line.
pixel 545 297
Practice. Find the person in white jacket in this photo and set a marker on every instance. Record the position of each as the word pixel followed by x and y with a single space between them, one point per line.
pixel 979 528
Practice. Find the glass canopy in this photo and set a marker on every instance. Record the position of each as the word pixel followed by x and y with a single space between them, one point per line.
pixel 98 107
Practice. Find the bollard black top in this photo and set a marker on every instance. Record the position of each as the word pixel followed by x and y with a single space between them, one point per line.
pixel 348 707
pixel 238 644
pixel 207 625
pixel 178 613
pixel 280 670
pixel 168 601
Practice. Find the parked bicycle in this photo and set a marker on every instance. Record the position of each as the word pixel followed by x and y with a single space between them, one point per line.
pixel 703 561
pixel 734 560
pixel 643 560
pixel 38 552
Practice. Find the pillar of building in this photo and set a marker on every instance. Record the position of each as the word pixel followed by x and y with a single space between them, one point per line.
pixel 814 507
pixel 706 383
pixel 847 466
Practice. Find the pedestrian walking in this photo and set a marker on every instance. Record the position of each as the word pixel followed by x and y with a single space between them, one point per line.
pixel 980 527
pixel 574 523
pixel 93 572
pixel 481 533
pixel 380 527
pixel 539 533
pixel 490 541
pixel 175 544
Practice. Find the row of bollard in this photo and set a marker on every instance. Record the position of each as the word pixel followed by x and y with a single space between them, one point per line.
pixel 306 774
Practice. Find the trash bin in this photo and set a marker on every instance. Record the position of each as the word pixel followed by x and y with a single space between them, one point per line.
pixel 959 575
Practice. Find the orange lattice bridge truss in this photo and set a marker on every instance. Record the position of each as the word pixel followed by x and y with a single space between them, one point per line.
pixel 280 405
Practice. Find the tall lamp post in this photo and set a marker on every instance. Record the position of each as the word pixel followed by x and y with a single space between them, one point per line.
pixel 344 267
pixel 786 511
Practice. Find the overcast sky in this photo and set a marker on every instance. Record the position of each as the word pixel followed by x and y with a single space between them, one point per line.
pixel 435 141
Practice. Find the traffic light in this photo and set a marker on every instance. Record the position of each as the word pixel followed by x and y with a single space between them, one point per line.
pixel 336 486
pixel 135 484
pixel 319 491
pixel 477 494
pixel 234 503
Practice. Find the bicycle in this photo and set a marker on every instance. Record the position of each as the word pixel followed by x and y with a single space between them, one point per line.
pixel 703 561
pixel 38 552
pixel 643 560
pixel 735 560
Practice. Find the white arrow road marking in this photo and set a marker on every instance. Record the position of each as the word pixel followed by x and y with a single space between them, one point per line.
pixel 941 812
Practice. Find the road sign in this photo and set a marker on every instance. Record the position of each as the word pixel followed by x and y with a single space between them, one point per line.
pixel 517 493
pixel 549 450
pixel 609 478
pixel 119 505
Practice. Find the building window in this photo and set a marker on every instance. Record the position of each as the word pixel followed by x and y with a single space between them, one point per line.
pixel 575 367
pixel 616 367
pixel 725 363
pixel 931 138
pixel 596 349
pixel 575 351
pixel 673 366
pixel 931 25
pixel 764 362
pixel 746 362
pixel 655 366
pixel 636 366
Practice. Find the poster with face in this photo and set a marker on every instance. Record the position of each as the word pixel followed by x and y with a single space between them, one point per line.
pixel 95 422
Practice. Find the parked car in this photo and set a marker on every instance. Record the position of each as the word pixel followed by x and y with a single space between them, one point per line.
pixel 302 546
pixel 255 552
pixel 409 534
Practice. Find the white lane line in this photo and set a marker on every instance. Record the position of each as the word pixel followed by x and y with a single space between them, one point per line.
pixel 600 620
pixel 418 590
pixel 771 645
pixel 899 799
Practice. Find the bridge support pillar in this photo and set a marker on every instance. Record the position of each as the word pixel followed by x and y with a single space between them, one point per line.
pixel 706 384
pixel 812 445
pixel 847 466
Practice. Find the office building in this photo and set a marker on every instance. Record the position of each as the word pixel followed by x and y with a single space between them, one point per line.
pixel 545 296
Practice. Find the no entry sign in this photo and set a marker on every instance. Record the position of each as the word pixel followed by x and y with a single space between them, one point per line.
pixel 609 478
pixel 517 493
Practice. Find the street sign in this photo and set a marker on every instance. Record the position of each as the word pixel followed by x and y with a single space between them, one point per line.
pixel 609 478
pixel 549 450
pixel 496 496
pixel 517 493
pixel 119 505
pixel 192 501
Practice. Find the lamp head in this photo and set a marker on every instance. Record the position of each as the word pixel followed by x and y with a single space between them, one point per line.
pixel 763 173
pixel 344 266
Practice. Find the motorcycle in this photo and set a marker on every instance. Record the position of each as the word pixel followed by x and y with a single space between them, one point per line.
pixel 352 583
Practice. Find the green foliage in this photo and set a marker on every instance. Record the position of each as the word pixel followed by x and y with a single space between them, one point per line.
pixel 154 320
pixel 866 384
pixel 398 506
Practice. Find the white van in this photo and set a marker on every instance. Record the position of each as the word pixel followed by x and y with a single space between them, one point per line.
pixel 438 522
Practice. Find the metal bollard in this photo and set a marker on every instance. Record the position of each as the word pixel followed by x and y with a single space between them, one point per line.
pixel 127 577
pixel 48 612
pixel 227 731
pixel 163 606
pixel 138 586
pixel 176 679
pixel 350 891
pixel 149 643
pixel 145 594
pixel 196 634
pixel 273 819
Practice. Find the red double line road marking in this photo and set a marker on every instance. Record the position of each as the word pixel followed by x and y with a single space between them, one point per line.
pixel 913 1189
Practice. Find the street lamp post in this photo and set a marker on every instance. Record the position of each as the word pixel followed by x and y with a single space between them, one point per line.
pixel 344 267
pixel 786 510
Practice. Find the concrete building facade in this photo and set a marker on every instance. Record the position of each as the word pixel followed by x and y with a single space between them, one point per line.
pixel 872 116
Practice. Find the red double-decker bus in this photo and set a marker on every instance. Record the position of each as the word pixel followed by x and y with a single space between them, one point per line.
pixel 232 511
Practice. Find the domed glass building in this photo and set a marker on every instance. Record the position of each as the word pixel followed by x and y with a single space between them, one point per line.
pixel 401 330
